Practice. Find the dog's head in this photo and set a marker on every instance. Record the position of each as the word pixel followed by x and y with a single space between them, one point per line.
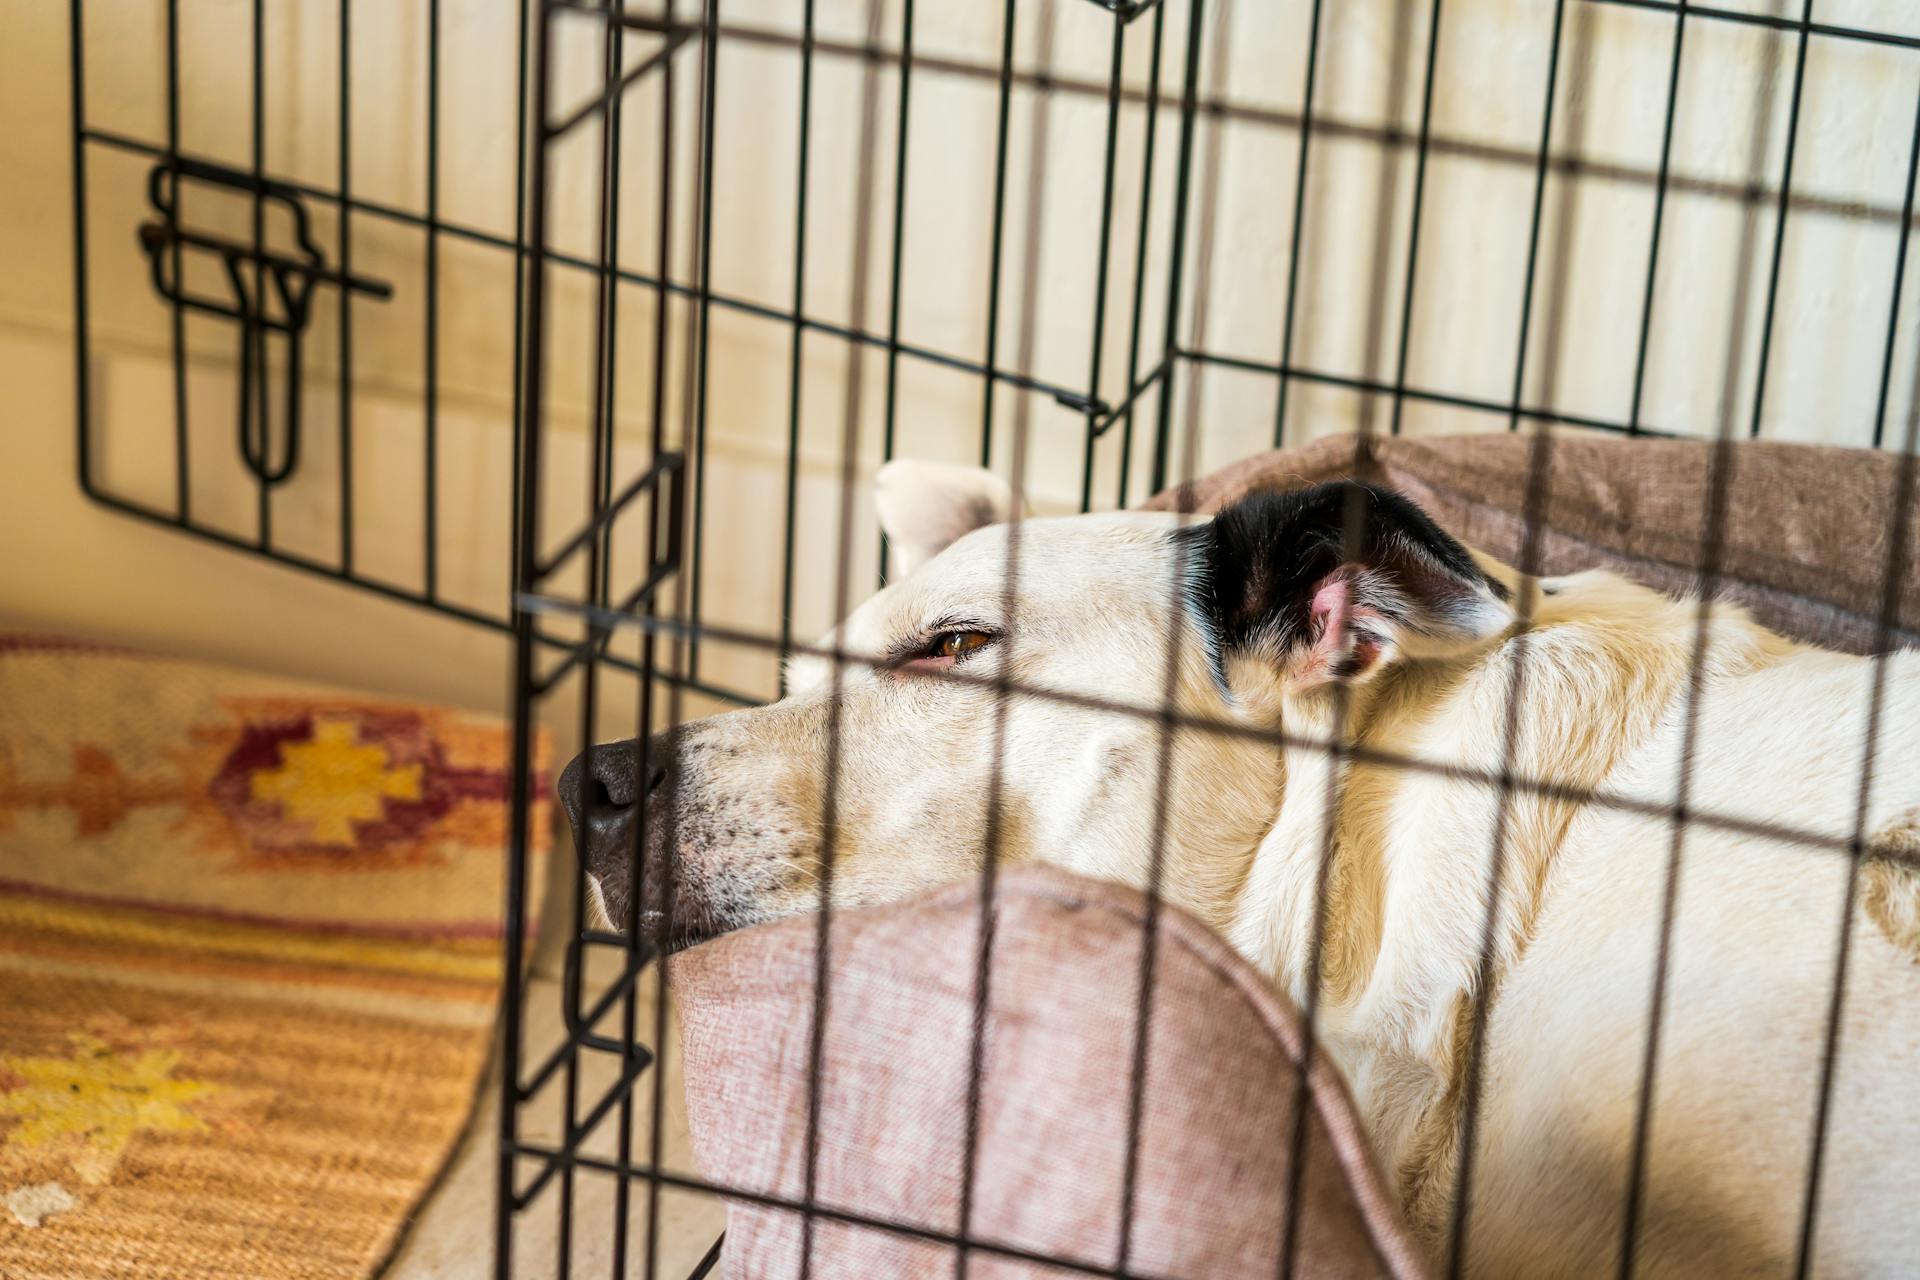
pixel 1036 689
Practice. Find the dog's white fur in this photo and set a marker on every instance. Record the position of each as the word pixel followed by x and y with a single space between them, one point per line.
pixel 1602 676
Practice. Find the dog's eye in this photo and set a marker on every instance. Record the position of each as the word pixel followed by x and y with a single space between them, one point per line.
pixel 958 644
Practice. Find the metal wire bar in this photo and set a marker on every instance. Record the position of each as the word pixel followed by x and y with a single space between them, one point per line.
pixel 1534 218
pixel 703 316
pixel 616 14
pixel 1124 410
pixel 258 450
pixel 615 90
pixel 712 1259
pixel 1297 234
pixel 232 250
pixel 1563 253
pixel 1387 162
pixel 662 300
pixel 1127 10
pixel 1336 127
pixel 522 126
pixel 830 1213
pixel 534 261
pixel 575 1133
pixel 430 506
pixel 1756 19
pixel 1413 231
pixel 580 1031
pixel 999 238
pixel 344 88
pixel 605 398
pixel 1374 386
pixel 473 617
pixel 1659 217
pixel 1600 797
pixel 1163 768
pixel 596 544
pixel 798 340
pixel 1177 259
pixel 1569 164
pixel 1780 221
pixel 594 648
pixel 1891 581
pixel 581 1022
pixel 1072 398
pixel 898 270
pixel 1718 482
pixel 183 495
pixel 526 579
pixel 857 287
pixel 1538 467
pixel 1484 983
pixel 1033 217
pixel 1140 255
pixel 1069 397
pixel 1539 463
pixel 604 511
pixel 77 105
pixel 1353 536
pixel 1009 603
pixel 1206 215
pixel 1103 256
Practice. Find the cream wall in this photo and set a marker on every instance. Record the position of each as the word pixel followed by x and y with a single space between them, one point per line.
pixel 72 566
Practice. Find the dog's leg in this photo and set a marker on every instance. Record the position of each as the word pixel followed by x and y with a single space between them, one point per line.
pixel 1890 882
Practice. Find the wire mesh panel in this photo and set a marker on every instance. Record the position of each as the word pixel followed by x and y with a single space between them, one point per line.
pixel 1163 298
pixel 569 585
pixel 739 252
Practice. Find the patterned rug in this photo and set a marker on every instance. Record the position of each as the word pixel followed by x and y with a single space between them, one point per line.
pixel 249 964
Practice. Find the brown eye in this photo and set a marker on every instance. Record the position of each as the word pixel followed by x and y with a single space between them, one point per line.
pixel 958 644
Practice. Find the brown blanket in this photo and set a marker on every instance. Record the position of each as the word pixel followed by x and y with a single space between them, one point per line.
pixel 1805 544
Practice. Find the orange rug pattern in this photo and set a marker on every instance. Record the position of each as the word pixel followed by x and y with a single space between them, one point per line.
pixel 250 940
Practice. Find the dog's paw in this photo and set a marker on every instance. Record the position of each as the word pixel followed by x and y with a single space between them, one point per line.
pixel 1890 882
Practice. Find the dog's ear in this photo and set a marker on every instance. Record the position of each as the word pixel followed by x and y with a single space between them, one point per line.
pixel 927 506
pixel 1336 582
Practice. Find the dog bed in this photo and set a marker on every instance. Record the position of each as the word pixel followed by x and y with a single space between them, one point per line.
pixel 1216 1131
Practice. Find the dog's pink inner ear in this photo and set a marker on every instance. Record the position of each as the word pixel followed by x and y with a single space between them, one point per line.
pixel 1332 602
pixel 1343 642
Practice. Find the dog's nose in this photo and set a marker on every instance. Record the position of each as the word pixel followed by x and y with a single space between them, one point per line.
pixel 600 790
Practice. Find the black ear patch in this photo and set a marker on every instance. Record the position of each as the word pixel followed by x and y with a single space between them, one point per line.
pixel 1275 570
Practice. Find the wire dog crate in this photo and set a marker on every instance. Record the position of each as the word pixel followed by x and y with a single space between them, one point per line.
pixel 604 567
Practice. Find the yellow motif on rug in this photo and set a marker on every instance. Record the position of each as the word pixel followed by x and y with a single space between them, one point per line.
pixel 95 1099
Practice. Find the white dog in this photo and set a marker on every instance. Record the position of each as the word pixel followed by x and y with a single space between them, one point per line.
pixel 1409 650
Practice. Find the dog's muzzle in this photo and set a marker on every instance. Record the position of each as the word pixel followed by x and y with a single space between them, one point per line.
pixel 608 802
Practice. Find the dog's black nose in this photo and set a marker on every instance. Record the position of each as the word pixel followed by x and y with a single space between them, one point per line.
pixel 601 790
pixel 641 884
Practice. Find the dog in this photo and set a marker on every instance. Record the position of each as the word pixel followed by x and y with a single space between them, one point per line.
pixel 1176 685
